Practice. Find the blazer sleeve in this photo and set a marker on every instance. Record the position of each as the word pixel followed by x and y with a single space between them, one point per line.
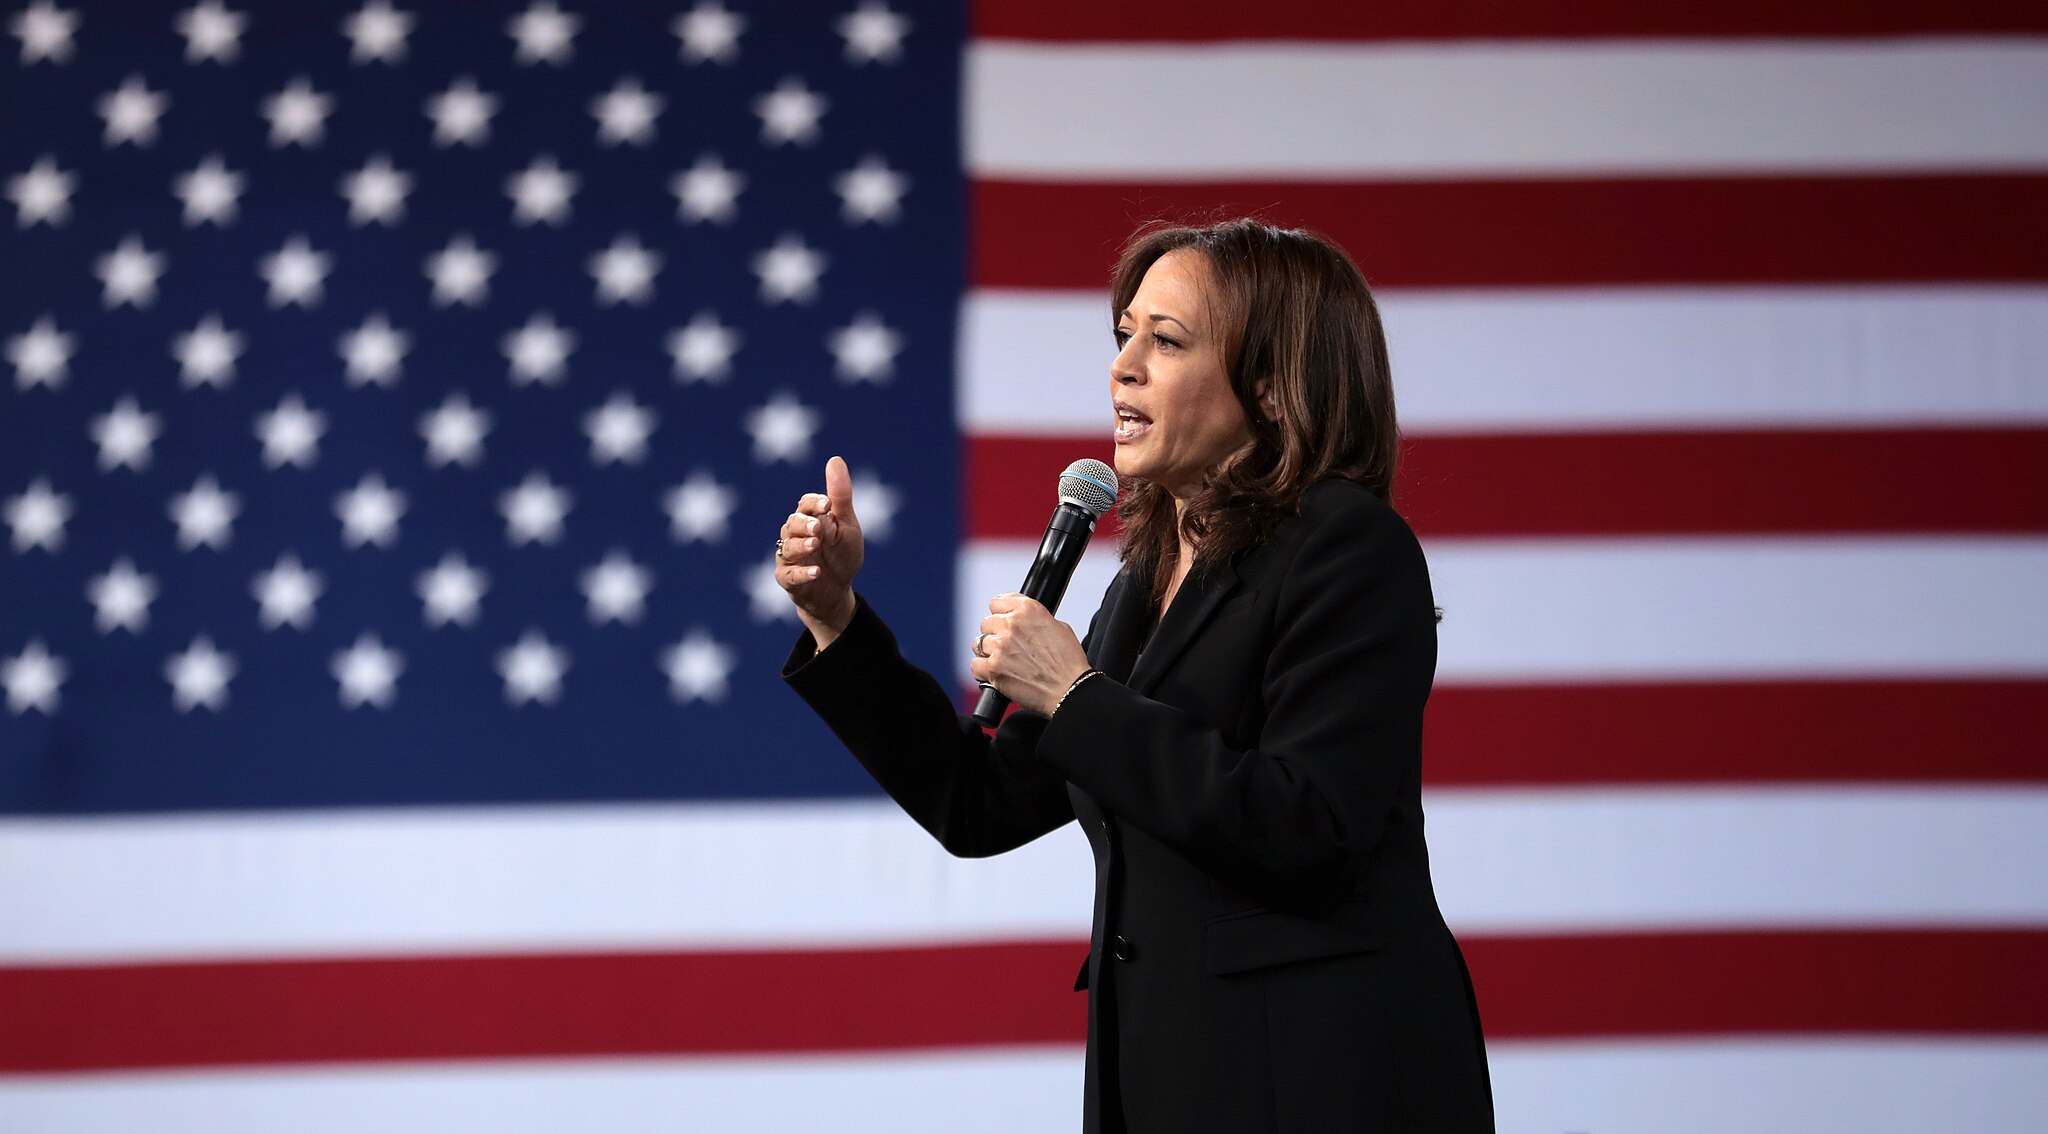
pixel 1293 821
pixel 977 795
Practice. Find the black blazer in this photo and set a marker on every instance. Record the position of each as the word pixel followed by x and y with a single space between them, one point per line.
pixel 1267 950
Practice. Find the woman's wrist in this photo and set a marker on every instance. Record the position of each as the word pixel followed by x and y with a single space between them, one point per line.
pixel 826 629
pixel 1075 684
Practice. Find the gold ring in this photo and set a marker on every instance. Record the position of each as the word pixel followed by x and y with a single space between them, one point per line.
pixel 778 552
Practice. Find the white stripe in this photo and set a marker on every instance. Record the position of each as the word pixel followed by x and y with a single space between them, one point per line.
pixel 999 1089
pixel 1650 609
pixel 1789 1086
pixel 1758 1086
pixel 1569 861
pixel 1530 360
pixel 1464 109
pixel 542 878
pixel 569 878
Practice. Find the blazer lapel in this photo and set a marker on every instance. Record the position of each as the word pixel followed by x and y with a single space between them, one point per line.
pixel 1123 630
pixel 1199 596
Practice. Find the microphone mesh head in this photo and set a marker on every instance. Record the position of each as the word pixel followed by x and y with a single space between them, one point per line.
pixel 1089 486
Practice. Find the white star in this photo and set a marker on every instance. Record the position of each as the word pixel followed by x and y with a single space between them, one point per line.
pixel 697 667
pixel 131 111
pixel 462 114
pixel 285 594
pixel 41 355
pixel 461 273
pixel 369 512
pixel 707 190
pixel 703 349
pixel 871 191
pixel 873 33
pixel 124 435
pixel 32 678
pixel 211 31
pixel 782 428
pixel 532 669
pixel 699 509
pixel 298 114
pixel 200 676
pixel 865 349
pixel 121 597
pixel 376 192
pixel 616 590
pixel 876 503
pixel 618 430
pixel 766 600
pixel 625 272
pixel 209 191
pixel 129 273
pixel 45 31
pixel 709 32
pixel 374 352
pixel 539 351
pixel 790 113
pixel 534 511
pixel 543 32
pixel 454 432
pixel 789 270
pixel 541 192
pixel 37 517
pixel 377 32
pixel 452 592
pixel 368 672
pixel 204 514
pixel 291 434
pixel 626 113
pixel 296 273
pixel 206 354
pixel 42 194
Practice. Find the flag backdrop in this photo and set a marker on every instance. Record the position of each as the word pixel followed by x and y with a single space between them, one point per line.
pixel 398 401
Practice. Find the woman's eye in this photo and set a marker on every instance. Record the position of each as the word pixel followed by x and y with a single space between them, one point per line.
pixel 1165 341
pixel 1122 337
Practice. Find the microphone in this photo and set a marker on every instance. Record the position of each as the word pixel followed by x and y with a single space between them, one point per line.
pixel 1087 490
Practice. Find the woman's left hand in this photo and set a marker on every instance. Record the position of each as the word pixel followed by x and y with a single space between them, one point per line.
pixel 1029 656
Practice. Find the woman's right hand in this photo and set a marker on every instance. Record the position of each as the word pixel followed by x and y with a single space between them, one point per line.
pixel 821 551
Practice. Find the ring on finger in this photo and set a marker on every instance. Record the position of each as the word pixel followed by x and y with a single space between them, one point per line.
pixel 978 652
pixel 779 557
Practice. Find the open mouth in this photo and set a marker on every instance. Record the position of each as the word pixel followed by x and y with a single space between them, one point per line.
pixel 1130 424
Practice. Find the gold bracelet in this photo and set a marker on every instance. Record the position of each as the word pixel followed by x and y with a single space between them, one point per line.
pixel 1085 675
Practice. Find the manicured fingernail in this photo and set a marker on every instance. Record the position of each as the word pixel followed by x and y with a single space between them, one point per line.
pixel 811 572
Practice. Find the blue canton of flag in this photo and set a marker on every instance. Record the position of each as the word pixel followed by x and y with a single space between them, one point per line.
pixel 398 402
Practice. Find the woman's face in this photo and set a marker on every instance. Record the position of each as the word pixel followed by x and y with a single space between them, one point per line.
pixel 1175 414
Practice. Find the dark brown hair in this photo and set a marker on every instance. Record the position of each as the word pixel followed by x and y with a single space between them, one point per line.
pixel 1291 309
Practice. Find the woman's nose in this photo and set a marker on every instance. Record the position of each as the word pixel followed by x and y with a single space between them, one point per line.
pixel 1121 369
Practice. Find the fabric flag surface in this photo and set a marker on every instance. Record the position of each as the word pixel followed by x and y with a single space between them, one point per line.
pixel 398 400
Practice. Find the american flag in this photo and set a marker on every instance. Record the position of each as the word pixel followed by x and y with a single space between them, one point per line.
pixel 397 401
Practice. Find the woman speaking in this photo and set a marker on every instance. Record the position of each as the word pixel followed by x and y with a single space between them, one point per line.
pixel 1239 733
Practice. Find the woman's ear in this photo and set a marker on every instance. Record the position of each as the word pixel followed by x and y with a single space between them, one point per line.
pixel 1269 405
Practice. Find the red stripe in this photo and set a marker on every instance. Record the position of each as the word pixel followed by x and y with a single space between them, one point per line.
pixel 434 1008
pixel 1761 982
pixel 1201 21
pixel 1522 233
pixel 1962 480
pixel 420 1008
pixel 1748 732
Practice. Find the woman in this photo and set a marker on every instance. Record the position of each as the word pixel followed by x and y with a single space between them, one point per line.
pixel 1240 732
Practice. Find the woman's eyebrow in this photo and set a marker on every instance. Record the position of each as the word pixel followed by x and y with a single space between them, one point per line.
pixel 1126 313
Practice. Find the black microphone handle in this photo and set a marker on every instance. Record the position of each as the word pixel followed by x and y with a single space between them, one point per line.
pixel 1066 537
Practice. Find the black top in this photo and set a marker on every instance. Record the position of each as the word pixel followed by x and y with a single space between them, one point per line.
pixel 1267 949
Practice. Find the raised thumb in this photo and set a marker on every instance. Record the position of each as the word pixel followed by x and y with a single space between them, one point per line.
pixel 839 490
